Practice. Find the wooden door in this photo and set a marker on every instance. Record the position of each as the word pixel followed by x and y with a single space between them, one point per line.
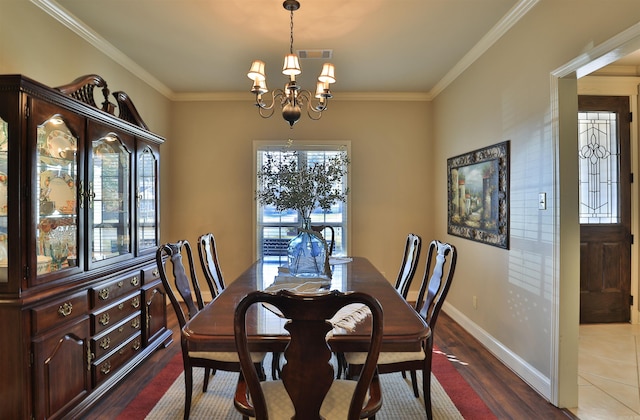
pixel 605 209
pixel 155 308
pixel 61 376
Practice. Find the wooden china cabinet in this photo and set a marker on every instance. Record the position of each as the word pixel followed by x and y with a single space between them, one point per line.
pixel 81 302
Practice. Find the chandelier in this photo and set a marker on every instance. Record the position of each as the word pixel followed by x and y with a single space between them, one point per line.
pixel 292 99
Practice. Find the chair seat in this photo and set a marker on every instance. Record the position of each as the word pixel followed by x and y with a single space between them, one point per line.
pixel 223 356
pixel 386 358
pixel 335 405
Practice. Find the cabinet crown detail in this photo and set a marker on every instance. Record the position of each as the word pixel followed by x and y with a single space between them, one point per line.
pixel 82 90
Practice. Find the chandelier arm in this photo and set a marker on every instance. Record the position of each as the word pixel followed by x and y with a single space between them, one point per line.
pixel 263 106
pixel 266 112
pixel 313 112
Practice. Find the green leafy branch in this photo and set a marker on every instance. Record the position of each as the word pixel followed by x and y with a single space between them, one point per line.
pixel 289 186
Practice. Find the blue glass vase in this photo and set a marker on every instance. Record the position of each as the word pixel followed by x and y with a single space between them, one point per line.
pixel 307 253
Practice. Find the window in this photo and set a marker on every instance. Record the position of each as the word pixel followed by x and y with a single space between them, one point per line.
pixel 599 160
pixel 274 228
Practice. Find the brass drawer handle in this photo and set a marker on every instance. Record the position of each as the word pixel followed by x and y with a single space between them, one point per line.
pixel 121 306
pixel 135 281
pixel 105 343
pixel 135 302
pixel 105 368
pixel 104 294
pixel 104 319
pixel 90 357
pixel 155 272
pixel 135 324
pixel 136 345
pixel 65 309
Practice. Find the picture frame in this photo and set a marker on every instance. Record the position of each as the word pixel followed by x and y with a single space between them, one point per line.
pixel 478 195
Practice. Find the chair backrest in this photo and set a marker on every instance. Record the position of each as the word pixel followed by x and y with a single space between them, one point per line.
pixel 331 240
pixel 308 374
pixel 172 254
pixel 436 281
pixel 409 264
pixel 208 254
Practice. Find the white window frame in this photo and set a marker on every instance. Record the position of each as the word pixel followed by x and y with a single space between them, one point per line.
pixel 302 146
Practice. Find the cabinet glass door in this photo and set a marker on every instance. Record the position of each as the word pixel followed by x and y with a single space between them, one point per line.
pixel 56 185
pixel 4 149
pixel 109 198
pixel 147 200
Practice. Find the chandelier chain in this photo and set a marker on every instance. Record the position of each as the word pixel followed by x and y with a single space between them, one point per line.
pixel 291 26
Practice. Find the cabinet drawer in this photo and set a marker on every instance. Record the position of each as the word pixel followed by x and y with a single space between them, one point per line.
pixel 111 315
pixel 150 273
pixel 118 334
pixel 103 368
pixel 108 292
pixel 51 314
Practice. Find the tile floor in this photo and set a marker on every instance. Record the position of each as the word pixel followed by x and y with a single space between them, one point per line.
pixel 608 372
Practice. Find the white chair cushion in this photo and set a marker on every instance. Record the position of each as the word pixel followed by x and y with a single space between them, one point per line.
pixel 335 405
pixel 385 358
pixel 223 356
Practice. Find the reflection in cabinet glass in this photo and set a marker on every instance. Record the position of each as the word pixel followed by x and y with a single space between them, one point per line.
pixel 110 198
pixel 147 179
pixel 4 256
pixel 56 233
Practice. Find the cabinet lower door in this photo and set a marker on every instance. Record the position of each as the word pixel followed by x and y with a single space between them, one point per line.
pixel 155 311
pixel 61 374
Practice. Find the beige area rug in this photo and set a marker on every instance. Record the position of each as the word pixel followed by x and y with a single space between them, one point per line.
pixel 217 402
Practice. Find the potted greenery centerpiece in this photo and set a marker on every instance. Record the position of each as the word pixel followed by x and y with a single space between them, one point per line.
pixel 286 185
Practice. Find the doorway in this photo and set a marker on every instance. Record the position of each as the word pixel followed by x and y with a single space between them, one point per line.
pixel 605 208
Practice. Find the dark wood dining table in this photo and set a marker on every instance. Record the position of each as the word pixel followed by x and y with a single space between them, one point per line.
pixel 211 329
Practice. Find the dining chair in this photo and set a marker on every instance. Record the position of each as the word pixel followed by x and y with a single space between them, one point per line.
pixel 331 240
pixel 174 254
pixel 409 264
pixel 308 389
pixel 208 253
pixel 436 282
pixel 410 258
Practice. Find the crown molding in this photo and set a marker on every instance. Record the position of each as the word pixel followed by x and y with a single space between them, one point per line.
pixel 342 96
pixel 70 21
pixel 486 42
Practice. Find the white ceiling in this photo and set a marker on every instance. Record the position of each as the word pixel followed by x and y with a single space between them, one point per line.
pixel 208 45
pixel 202 46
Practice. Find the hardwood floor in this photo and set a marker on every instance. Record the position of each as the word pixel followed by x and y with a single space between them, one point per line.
pixel 504 392
pixel 508 396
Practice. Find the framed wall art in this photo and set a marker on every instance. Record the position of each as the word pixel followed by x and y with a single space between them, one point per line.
pixel 478 202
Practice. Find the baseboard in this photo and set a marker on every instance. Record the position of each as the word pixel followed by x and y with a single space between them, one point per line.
pixel 534 378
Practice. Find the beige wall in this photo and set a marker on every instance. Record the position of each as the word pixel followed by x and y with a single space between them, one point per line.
pixel 210 182
pixel 34 44
pixel 506 95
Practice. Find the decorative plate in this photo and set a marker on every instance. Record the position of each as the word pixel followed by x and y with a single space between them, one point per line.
pixel 60 190
pixel 58 142
pixel 3 194
pixel 4 138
